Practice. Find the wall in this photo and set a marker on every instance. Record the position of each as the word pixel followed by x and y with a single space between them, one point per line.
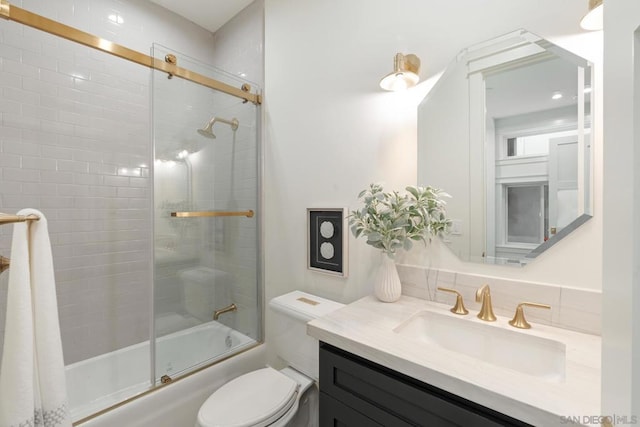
pixel 449 98
pixel 621 263
pixel 330 130
pixel 239 44
pixel 76 144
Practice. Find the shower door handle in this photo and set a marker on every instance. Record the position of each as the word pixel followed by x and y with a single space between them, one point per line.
pixel 200 214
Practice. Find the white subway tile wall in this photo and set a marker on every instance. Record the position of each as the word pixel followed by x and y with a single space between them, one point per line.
pixel 75 143
pixel 576 309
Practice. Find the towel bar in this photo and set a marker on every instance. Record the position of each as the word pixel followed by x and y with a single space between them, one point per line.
pixel 10 219
pixel 248 214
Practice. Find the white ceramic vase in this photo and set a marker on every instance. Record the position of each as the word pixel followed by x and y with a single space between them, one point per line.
pixel 387 286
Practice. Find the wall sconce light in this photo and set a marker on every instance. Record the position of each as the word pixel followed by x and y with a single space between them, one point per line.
pixel 405 73
pixel 593 19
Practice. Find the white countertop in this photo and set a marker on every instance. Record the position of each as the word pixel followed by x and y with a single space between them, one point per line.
pixel 365 328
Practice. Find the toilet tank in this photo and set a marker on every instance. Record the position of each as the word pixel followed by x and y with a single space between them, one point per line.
pixel 291 312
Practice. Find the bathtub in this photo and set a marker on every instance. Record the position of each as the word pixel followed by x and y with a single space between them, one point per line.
pixel 106 380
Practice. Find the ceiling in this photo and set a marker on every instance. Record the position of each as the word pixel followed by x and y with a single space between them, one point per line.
pixel 529 88
pixel 209 14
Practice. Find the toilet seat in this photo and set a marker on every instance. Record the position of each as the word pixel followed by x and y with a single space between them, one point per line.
pixel 256 399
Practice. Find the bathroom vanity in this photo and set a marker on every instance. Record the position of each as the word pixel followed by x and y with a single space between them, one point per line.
pixel 415 363
pixel 352 386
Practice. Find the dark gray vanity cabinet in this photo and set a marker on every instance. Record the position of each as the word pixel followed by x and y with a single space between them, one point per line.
pixel 355 392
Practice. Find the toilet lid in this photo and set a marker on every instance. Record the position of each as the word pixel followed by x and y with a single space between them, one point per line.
pixel 255 399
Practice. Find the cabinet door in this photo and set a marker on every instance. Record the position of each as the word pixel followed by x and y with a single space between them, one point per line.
pixel 336 414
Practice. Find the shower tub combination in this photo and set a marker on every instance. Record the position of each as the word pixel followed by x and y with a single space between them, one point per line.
pixel 164 381
pixel 201 221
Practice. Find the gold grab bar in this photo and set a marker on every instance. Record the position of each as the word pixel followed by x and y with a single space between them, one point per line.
pixel 169 65
pixel 248 214
pixel 10 219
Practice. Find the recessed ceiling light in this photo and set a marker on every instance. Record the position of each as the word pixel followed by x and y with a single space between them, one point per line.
pixel 556 95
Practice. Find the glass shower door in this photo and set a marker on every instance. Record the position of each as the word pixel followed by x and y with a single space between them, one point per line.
pixel 206 293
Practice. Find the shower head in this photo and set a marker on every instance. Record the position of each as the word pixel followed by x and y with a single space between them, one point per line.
pixel 207 130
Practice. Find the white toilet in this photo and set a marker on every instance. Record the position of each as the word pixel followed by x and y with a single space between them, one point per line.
pixel 268 397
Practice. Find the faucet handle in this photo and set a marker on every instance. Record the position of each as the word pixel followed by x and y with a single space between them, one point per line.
pixel 518 320
pixel 459 307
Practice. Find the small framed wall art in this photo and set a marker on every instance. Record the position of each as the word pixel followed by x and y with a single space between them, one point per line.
pixel 327 240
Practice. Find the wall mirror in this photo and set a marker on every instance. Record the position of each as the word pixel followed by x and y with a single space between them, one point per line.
pixel 506 131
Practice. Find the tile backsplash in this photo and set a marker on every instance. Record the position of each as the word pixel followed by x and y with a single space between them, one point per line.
pixel 571 308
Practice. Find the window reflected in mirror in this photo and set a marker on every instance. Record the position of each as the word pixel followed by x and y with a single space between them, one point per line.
pixel 527 213
pixel 527 146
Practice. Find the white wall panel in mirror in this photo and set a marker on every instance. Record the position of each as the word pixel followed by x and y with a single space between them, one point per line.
pixel 506 131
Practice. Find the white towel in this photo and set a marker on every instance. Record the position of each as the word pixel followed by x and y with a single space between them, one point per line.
pixel 32 377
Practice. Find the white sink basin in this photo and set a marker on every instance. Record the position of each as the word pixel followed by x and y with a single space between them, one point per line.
pixel 511 349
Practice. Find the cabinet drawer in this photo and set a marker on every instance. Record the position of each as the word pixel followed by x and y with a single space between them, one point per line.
pixel 336 414
pixel 391 398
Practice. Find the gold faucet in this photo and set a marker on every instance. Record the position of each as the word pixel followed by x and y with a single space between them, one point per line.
pixel 217 313
pixel 518 320
pixel 459 307
pixel 483 295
